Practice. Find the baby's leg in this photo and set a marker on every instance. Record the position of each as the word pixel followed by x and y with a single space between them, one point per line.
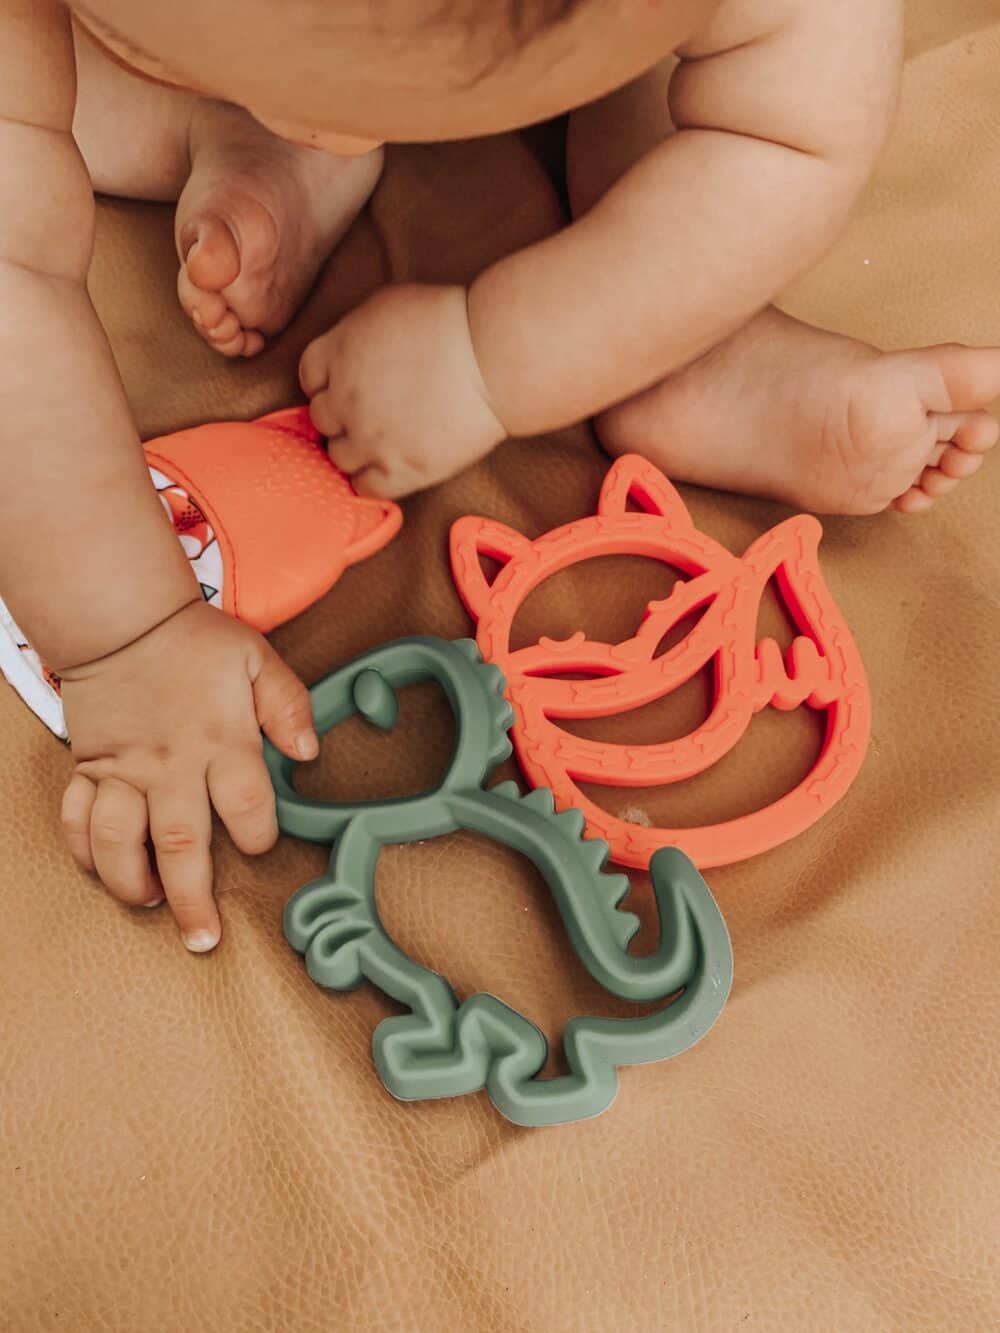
pixel 256 216
pixel 782 409
pixel 133 134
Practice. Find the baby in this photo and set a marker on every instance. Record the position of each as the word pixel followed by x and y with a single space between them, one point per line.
pixel 715 150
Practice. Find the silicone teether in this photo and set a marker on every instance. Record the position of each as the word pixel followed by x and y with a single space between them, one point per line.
pixel 285 520
pixel 443 1048
pixel 823 669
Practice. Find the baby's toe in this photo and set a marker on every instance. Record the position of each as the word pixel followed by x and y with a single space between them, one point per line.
pixel 225 330
pixel 204 309
pixel 209 252
pixel 958 464
pixel 977 433
pixel 232 346
pixel 254 343
pixel 966 377
pixel 915 501
pixel 217 324
pixel 972 432
pixel 231 339
pixel 937 484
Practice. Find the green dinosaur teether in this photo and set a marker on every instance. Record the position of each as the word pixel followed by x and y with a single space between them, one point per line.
pixel 443 1048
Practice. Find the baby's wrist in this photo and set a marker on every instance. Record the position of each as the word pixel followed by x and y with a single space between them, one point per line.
pixel 477 377
pixel 514 403
pixel 125 636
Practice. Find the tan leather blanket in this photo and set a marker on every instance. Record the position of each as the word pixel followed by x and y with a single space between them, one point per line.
pixel 202 1144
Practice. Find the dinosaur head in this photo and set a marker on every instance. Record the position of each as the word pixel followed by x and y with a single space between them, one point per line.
pixel 368 687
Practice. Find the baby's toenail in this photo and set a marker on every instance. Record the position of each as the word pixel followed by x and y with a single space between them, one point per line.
pixel 154 902
pixel 200 941
pixel 197 318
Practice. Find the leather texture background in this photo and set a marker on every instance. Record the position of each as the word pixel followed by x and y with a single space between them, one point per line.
pixel 202 1144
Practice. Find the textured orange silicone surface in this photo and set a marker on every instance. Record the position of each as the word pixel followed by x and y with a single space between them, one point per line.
pixel 822 669
pixel 287 520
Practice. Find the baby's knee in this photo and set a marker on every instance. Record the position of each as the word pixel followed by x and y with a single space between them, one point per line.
pixel 619 429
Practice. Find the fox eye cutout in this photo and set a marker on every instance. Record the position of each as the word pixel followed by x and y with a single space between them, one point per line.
pixel 605 598
pixel 676 633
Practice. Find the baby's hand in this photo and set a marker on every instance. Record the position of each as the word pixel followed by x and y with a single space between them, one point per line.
pixel 164 729
pixel 396 387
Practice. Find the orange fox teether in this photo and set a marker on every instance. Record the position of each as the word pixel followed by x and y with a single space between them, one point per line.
pixel 286 521
pixel 823 668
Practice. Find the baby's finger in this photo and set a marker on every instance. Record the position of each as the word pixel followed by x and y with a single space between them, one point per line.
pixel 119 822
pixel 324 416
pixel 283 709
pixel 241 792
pixel 348 454
pixel 376 483
pixel 314 368
pixel 180 823
pixel 77 803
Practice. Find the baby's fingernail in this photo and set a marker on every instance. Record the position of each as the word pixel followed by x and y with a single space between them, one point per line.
pixel 197 318
pixel 154 902
pixel 201 941
pixel 306 745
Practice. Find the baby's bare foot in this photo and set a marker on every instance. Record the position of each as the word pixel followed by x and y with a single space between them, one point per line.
pixel 818 421
pixel 255 222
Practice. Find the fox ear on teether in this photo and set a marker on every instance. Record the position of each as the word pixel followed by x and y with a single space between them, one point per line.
pixel 635 478
pixel 376 522
pixel 471 538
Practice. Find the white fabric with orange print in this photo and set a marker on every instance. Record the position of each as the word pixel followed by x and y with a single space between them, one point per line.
pixel 195 535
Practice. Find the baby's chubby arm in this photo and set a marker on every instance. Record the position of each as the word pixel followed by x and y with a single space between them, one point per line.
pixel 160 691
pixel 66 436
pixel 781 108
